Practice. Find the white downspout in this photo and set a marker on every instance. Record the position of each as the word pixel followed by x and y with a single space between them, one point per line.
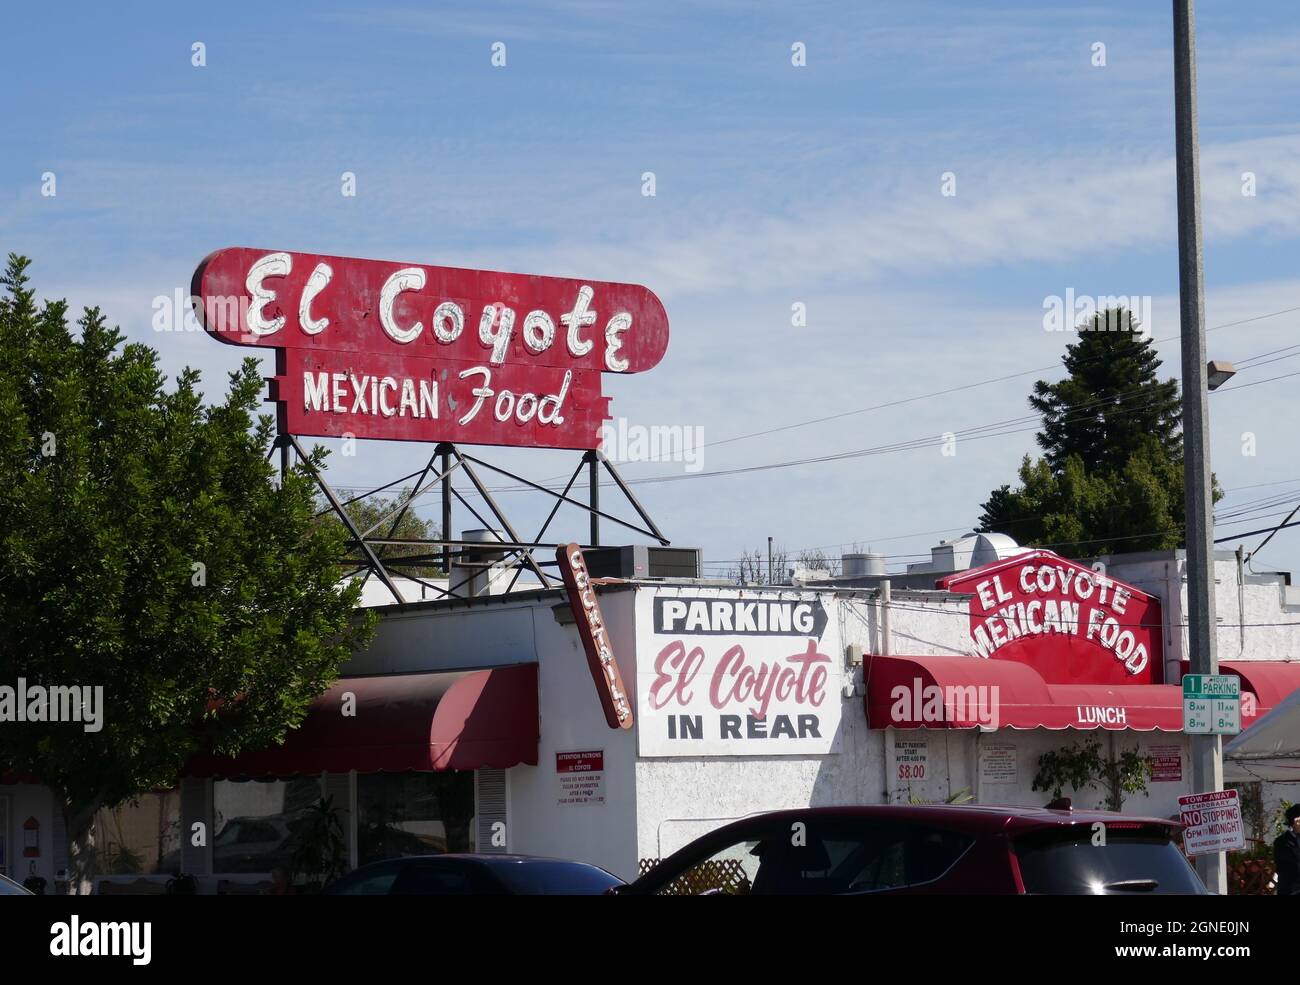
pixel 886 646
pixel 886 634
pixel 891 766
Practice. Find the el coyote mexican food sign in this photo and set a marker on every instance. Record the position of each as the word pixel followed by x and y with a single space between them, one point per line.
pixel 1072 624
pixel 377 349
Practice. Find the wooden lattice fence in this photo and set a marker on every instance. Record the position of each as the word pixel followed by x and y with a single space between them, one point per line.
pixel 726 876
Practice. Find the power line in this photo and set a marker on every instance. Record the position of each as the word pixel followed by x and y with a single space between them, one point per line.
pixel 907 445
pixel 994 429
pixel 945 530
pixel 925 396
pixel 979 383
pixel 1124 625
pixel 967 434
pixel 1059 543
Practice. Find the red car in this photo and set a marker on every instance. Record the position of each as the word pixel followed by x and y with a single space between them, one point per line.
pixel 932 849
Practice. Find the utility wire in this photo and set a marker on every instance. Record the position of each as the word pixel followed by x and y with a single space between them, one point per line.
pixel 924 396
pixel 1125 625
pixel 994 429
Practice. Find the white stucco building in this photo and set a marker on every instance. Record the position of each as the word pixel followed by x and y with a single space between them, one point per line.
pixel 477 725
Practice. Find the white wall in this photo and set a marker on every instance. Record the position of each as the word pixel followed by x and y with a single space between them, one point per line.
pixel 1265 604
pixel 572 721
pixel 680 799
pixel 1160 800
pixel 655 805
pixel 478 635
pixel 523 631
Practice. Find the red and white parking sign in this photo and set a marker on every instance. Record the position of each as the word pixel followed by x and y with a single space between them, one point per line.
pixel 1212 822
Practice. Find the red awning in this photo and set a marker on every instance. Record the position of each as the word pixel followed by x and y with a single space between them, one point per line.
pixel 459 720
pixel 971 692
pixel 1271 681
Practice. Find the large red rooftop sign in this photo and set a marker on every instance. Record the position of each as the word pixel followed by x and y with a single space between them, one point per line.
pixel 1072 624
pixel 378 349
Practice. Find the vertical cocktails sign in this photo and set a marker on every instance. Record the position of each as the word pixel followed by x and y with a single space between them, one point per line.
pixel 614 702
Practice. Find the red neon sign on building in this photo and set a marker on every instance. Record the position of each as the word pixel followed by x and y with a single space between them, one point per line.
pixel 1072 624
pixel 614 701
pixel 413 352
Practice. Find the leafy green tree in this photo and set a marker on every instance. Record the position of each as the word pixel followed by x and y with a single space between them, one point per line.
pixel 147 547
pixel 379 513
pixel 1111 477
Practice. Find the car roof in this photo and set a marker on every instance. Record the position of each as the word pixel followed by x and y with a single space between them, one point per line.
pixel 972 818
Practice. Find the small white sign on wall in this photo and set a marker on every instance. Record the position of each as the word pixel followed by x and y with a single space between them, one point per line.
pixel 581 777
pixel 1166 764
pixel 912 757
pixel 998 764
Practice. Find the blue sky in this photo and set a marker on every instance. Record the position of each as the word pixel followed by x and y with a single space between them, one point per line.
pixel 775 184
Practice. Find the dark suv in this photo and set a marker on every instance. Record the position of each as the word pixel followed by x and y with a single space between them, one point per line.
pixel 939 849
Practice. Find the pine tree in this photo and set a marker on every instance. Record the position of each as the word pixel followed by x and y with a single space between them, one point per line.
pixel 1111 478
pixel 1110 400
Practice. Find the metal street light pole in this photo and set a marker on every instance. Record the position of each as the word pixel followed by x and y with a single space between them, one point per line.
pixel 1206 750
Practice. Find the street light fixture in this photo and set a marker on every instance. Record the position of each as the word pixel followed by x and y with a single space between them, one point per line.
pixel 1219 372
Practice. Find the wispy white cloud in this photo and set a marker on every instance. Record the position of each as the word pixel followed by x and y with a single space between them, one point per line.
pixel 1009 212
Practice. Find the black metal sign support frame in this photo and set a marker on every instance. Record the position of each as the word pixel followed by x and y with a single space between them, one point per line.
pixel 370 551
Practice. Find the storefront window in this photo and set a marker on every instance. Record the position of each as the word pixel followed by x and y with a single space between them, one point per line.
pixel 255 821
pixel 414 814
pixel 140 838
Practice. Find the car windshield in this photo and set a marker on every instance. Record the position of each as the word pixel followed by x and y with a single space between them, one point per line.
pixel 1128 862
pixel 10 888
pixel 812 855
pixel 546 878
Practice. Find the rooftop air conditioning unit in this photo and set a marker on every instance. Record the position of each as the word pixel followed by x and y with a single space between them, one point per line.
pixel 643 561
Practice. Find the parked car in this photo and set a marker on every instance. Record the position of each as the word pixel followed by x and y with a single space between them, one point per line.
pixel 254 844
pixel 10 888
pixel 928 850
pixel 474 875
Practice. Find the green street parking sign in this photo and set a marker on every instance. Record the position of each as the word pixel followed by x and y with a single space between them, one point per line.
pixel 1212 704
